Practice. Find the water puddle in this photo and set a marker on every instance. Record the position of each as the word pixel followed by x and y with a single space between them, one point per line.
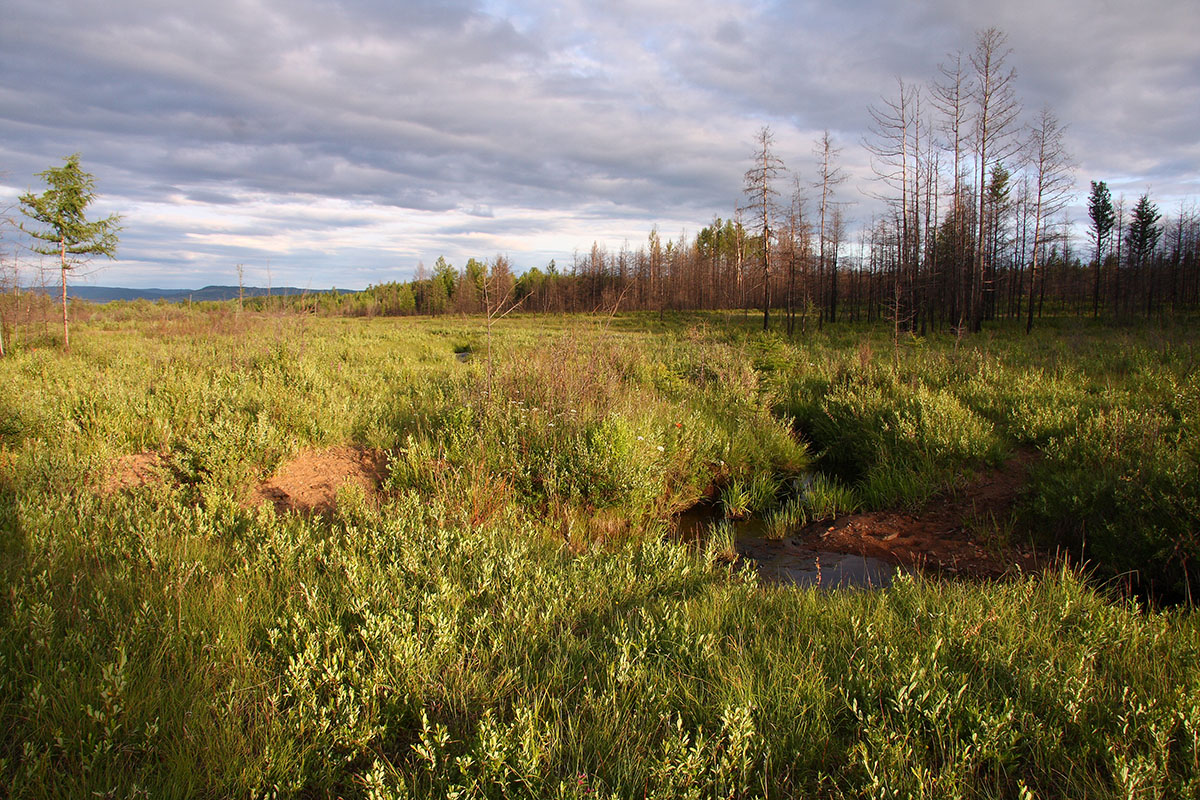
pixel 790 560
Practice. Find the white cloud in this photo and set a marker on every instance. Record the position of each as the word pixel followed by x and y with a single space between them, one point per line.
pixel 347 141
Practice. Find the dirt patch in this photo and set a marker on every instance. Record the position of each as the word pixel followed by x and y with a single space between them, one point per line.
pixel 133 471
pixel 963 533
pixel 310 482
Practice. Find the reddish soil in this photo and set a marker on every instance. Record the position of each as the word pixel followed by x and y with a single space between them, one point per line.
pixel 960 533
pixel 311 480
pixel 133 471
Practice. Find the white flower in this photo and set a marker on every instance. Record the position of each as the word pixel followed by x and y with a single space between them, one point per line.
pixel 661 448
pixel 641 438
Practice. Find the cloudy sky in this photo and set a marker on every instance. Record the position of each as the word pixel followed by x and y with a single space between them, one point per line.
pixel 341 143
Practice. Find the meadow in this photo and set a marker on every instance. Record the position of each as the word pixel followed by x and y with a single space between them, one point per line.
pixel 503 611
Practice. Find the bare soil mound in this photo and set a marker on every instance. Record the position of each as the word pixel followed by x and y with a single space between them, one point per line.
pixel 310 482
pixel 963 533
pixel 132 471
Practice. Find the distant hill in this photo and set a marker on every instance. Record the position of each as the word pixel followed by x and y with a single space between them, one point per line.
pixel 106 294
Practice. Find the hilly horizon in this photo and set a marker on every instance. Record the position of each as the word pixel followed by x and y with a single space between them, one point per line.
pixel 107 294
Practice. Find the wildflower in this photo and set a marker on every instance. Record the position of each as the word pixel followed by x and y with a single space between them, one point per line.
pixel 641 438
pixel 661 448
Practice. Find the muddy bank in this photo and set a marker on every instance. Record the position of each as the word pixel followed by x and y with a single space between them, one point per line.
pixel 966 534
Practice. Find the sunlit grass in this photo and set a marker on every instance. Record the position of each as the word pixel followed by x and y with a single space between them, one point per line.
pixel 507 616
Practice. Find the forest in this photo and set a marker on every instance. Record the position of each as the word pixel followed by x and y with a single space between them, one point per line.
pixel 1150 270
pixel 975 231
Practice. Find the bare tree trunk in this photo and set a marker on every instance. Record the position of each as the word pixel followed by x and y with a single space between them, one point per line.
pixel 758 186
pixel 949 97
pixel 1033 274
pixel 766 277
pixel 1052 167
pixel 996 110
pixel 1117 265
pixel 1022 240
pixel 63 287
pixel 831 177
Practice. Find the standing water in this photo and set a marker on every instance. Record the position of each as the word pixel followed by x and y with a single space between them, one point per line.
pixel 790 560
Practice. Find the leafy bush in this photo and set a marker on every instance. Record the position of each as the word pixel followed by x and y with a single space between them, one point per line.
pixel 1123 490
pixel 868 426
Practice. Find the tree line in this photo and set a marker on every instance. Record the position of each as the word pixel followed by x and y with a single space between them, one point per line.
pixel 973 231
pixel 1137 264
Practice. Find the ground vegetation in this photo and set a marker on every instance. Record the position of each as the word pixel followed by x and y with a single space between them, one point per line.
pixel 492 602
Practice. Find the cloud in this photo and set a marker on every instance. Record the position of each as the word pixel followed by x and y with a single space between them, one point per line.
pixel 355 138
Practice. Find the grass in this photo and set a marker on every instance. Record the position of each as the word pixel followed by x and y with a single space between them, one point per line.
pixel 789 517
pixel 1110 412
pixel 507 617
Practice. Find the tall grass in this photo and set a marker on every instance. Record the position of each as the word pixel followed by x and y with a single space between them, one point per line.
pixel 479 630
pixel 1110 414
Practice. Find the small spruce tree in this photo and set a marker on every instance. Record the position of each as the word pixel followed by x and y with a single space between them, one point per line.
pixel 1100 211
pixel 60 213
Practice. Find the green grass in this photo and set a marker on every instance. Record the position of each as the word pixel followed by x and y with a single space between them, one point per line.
pixel 508 617
pixel 786 519
pixel 1111 413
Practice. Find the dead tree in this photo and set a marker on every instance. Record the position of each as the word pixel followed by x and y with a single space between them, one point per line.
pixel 759 187
pixel 1051 165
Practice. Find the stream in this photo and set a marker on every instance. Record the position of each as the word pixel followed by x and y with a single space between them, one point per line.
pixel 790 560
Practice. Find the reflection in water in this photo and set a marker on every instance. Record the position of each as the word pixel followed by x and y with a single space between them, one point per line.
pixel 790 560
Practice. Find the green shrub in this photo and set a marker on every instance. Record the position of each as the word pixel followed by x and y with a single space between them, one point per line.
pixel 1123 490
pixel 411 644
pixel 900 441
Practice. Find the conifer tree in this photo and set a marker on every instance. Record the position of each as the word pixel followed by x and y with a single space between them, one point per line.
pixel 1100 210
pixel 61 213
pixel 1142 238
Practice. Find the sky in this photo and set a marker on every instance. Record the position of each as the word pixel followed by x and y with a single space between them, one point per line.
pixel 322 143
